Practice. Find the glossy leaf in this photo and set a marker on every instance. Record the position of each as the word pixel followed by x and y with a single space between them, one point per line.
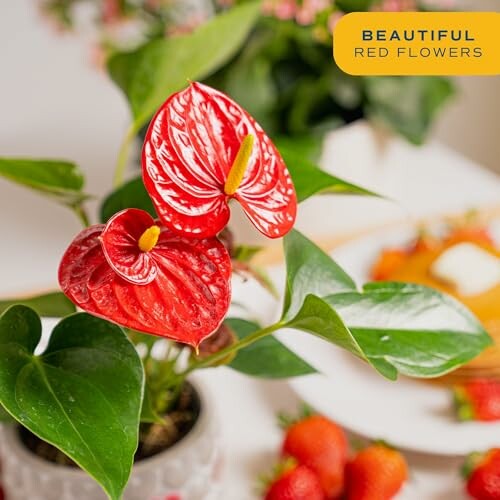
pixel 191 151
pixel 83 394
pixel 309 179
pixel 162 67
pixel 407 104
pixel 268 357
pixel 410 329
pixel 310 271
pixel 417 330
pixel 179 289
pixel 58 179
pixel 50 305
pixel 132 194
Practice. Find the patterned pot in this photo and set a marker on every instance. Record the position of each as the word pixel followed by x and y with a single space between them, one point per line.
pixel 186 471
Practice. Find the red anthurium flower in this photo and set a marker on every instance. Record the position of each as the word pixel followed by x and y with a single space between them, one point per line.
pixel 140 275
pixel 201 150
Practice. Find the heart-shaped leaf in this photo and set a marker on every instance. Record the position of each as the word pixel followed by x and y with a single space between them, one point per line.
pixel 309 179
pixel 417 330
pixel 410 329
pixel 132 194
pixel 148 76
pixel 268 357
pixel 51 305
pixel 58 179
pixel 82 395
pixel 309 271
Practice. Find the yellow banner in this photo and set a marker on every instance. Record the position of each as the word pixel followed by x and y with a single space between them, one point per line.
pixel 418 43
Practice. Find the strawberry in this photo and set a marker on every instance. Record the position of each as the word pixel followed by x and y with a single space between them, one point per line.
pixel 321 445
pixel 478 400
pixel 296 483
pixel 483 475
pixel 390 260
pixel 376 473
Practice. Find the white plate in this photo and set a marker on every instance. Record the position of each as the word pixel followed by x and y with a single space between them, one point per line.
pixel 411 414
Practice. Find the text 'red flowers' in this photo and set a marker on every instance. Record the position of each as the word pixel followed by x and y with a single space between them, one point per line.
pixel 201 150
pixel 137 273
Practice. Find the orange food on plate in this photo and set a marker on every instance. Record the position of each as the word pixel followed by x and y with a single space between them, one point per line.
pixel 414 264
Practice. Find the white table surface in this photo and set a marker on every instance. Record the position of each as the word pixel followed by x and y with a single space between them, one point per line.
pixel 55 104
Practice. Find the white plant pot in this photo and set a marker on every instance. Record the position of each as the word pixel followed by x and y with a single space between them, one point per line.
pixel 187 471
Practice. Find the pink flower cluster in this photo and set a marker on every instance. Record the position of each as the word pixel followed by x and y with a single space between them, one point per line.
pixel 304 12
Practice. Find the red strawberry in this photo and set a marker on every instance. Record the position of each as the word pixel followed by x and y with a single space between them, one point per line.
pixel 376 473
pixel 320 444
pixel 478 400
pixel 483 472
pixel 296 483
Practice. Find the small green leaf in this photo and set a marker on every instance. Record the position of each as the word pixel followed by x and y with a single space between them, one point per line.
pixel 310 271
pixel 309 179
pixel 245 253
pixel 132 194
pixel 148 413
pixel 82 395
pixel 268 357
pixel 148 76
pixel 396 327
pixel 51 305
pixel 57 179
pixel 407 104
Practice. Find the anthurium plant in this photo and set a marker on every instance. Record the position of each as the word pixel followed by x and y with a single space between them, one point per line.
pixel 274 57
pixel 158 268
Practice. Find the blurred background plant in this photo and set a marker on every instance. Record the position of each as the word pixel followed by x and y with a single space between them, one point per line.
pixel 284 74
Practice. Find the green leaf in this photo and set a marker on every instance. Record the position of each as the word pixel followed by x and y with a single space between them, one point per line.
pixel 417 330
pixel 57 179
pixel 268 357
pixel 4 416
pixel 309 179
pixel 396 327
pixel 132 194
pixel 52 305
pixel 407 104
pixel 148 413
pixel 245 253
pixel 317 317
pixel 354 5
pixel 82 395
pixel 162 67
pixel 310 271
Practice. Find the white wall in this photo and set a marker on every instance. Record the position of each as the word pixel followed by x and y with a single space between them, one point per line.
pixel 471 124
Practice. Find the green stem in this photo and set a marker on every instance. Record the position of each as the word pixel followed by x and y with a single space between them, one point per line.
pixel 81 213
pixel 214 358
pixel 123 155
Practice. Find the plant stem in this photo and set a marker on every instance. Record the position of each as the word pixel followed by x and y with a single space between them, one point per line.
pixel 123 154
pixel 250 339
pixel 81 213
